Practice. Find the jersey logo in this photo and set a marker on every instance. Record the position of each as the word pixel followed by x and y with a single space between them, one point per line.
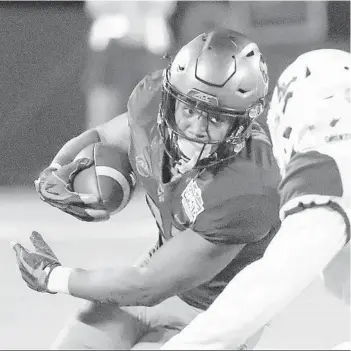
pixel 192 200
pixel 199 95
pixel 142 166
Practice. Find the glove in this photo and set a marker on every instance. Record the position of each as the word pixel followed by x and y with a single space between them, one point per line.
pixel 36 266
pixel 54 186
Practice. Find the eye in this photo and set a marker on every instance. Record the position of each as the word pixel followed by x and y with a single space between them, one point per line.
pixel 189 111
pixel 214 120
pixel 217 119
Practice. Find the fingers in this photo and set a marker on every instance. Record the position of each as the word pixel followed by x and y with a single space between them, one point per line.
pixel 17 248
pixel 55 185
pixel 83 163
pixel 88 199
pixel 40 244
pixel 87 215
pixel 68 197
pixel 98 215
pixel 21 255
pixel 78 165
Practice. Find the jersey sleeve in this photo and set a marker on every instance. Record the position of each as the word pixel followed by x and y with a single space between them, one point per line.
pixel 312 179
pixel 240 220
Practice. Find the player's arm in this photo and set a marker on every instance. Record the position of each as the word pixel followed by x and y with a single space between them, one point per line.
pixel 190 258
pixel 306 242
pixel 115 131
pixel 54 184
pixel 182 263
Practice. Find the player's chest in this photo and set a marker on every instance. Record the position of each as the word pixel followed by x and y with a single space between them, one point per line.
pixel 176 203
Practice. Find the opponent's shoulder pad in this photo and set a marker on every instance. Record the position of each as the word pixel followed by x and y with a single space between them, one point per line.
pixel 311 179
pixel 146 96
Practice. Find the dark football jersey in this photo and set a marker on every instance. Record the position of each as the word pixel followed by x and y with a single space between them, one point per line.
pixel 237 204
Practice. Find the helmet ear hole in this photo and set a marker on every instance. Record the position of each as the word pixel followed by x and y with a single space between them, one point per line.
pixel 181 68
pixel 242 91
pixel 308 72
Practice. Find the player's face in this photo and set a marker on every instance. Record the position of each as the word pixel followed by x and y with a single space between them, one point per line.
pixel 200 125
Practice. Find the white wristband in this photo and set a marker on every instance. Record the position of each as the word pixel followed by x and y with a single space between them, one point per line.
pixel 58 279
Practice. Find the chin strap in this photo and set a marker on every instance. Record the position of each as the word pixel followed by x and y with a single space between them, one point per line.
pixel 183 166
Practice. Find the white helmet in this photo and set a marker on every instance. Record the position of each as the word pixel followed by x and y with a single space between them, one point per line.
pixel 311 106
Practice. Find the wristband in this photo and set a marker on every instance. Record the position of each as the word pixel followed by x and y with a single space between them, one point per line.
pixel 58 279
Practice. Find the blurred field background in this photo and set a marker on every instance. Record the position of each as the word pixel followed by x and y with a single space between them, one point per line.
pixel 49 73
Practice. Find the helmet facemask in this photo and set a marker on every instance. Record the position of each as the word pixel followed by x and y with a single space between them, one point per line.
pixel 198 152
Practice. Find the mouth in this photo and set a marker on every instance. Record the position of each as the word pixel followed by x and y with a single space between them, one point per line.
pixel 197 139
pixel 197 142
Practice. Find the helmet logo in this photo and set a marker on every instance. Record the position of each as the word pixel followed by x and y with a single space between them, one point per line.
pixel 207 98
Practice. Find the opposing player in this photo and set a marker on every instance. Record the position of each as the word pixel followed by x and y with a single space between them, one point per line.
pixel 210 180
pixel 310 124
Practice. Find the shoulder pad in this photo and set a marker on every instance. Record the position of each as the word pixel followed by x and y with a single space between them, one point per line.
pixel 145 91
pixel 259 134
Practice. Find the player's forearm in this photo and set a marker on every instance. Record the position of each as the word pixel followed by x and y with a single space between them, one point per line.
pixel 296 256
pixel 123 286
pixel 71 148
pixel 115 132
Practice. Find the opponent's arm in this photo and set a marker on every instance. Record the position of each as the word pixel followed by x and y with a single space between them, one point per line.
pixel 182 263
pixel 306 242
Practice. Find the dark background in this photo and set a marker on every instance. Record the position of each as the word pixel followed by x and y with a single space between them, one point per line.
pixel 43 54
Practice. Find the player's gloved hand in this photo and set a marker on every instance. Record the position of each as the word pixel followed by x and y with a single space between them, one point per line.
pixel 55 186
pixel 36 265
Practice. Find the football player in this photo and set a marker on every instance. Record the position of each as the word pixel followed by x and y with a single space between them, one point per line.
pixel 310 123
pixel 210 180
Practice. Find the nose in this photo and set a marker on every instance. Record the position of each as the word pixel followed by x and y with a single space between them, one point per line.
pixel 199 126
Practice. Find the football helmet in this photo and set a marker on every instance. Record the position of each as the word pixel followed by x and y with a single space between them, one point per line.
pixel 310 106
pixel 223 74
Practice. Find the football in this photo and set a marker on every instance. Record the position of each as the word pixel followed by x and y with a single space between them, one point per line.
pixel 110 178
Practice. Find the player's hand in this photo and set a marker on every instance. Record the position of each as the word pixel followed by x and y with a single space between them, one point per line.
pixel 55 186
pixel 36 265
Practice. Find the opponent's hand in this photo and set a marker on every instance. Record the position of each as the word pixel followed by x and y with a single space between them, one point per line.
pixel 55 186
pixel 36 266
